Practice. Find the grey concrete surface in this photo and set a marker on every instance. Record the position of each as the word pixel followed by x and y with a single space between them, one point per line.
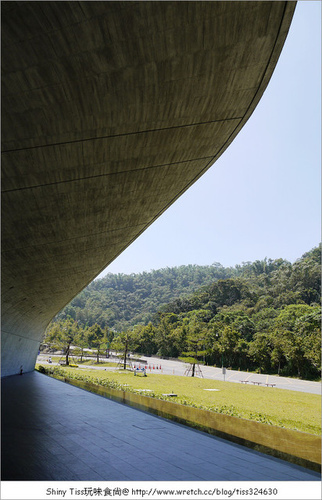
pixel 110 111
pixel 54 431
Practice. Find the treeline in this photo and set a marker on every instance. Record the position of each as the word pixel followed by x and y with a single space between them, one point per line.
pixel 263 315
pixel 120 301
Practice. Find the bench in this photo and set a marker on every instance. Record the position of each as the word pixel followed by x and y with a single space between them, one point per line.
pixel 141 371
pixel 255 382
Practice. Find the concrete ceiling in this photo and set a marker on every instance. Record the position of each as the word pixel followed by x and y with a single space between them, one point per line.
pixel 110 111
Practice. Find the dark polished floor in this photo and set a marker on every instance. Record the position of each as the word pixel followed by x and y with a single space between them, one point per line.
pixel 54 431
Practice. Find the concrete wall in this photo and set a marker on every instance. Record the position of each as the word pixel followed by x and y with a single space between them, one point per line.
pixel 11 345
pixel 110 111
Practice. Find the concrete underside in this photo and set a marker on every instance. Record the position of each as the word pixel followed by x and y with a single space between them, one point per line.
pixel 110 111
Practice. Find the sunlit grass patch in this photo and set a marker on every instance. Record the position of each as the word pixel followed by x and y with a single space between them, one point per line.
pixel 84 362
pixel 283 408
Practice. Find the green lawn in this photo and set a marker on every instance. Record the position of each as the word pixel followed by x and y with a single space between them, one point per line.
pixel 290 409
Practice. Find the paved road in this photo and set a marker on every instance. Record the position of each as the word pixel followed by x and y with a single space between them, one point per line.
pixel 176 367
pixel 210 372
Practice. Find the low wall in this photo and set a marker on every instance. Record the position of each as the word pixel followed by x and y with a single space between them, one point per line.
pixel 294 446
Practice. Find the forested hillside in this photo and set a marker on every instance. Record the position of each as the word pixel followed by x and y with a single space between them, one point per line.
pixel 120 301
pixel 261 315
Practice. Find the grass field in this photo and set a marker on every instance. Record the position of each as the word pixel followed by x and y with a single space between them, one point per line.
pixel 290 409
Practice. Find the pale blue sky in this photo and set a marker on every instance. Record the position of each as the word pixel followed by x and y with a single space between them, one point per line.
pixel 262 198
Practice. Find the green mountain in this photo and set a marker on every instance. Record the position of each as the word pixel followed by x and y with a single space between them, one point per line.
pixel 263 315
pixel 120 301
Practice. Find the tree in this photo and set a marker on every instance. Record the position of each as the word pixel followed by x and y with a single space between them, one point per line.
pixel 62 335
pixel 108 336
pixel 146 339
pixel 228 335
pixel 95 339
pixel 81 342
pixel 277 353
pixel 287 338
pixel 260 351
pixel 124 342
pixel 165 337
pixel 308 329
pixel 229 342
pixel 195 341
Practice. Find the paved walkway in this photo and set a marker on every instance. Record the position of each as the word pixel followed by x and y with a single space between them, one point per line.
pixel 54 431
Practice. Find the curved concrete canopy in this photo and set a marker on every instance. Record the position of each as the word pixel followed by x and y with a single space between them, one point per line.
pixel 110 111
